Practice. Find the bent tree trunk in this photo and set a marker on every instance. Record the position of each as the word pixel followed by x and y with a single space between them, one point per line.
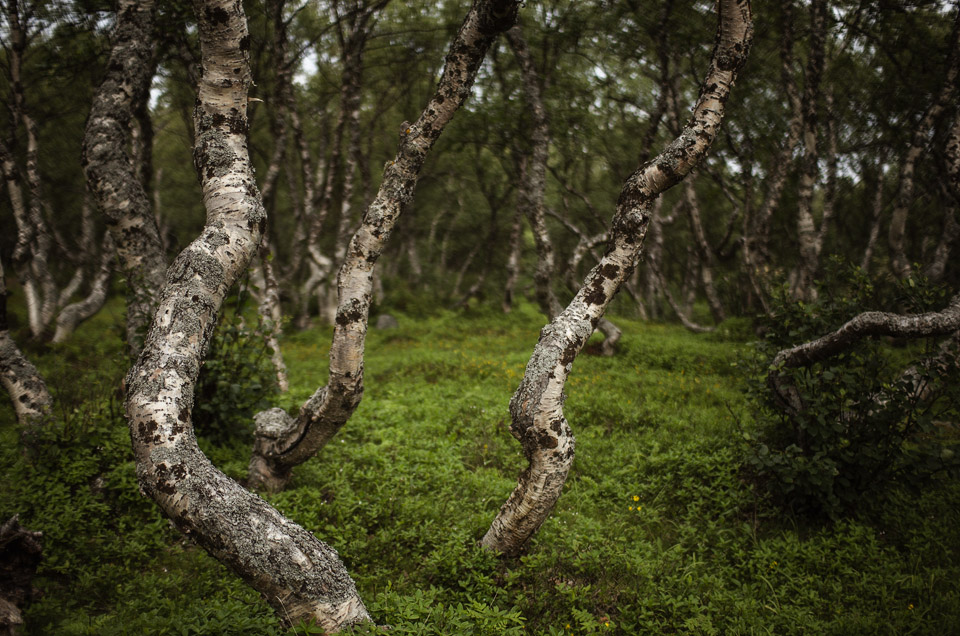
pixel 870 323
pixel 27 390
pixel 301 577
pixel 283 442
pixel 110 169
pixel 537 406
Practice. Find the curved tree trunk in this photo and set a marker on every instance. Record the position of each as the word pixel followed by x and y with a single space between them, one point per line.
pixel 301 577
pixel 537 406
pixel 111 173
pixel 871 323
pixel 900 263
pixel 283 442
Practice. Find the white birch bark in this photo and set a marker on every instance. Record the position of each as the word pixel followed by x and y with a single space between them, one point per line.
pixel 871 323
pixel 801 286
pixel 876 215
pixel 283 442
pixel 75 313
pixel 111 173
pixel 27 390
pixel 537 406
pixel 301 577
pixel 533 175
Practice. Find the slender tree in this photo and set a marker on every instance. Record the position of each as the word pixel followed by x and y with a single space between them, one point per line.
pixel 537 406
pixel 113 175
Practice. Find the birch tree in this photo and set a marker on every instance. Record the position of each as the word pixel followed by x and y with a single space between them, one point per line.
pixel 536 408
pixel 113 175
pixel 301 577
pixel 282 441
pixel 23 383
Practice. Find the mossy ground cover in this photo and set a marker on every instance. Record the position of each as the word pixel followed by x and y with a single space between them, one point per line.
pixel 658 529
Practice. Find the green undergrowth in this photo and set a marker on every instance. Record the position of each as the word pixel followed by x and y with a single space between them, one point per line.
pixel 657 531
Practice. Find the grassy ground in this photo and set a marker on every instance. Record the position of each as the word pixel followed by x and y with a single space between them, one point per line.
pixel 657 530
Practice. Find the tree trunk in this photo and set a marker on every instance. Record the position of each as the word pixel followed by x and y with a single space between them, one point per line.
pixel 279 448
pixel 871 323
pixel 513 261
pixel 27 390
pixel 301 577
pixel 533 175
pixel 876 216
pixel 537 406
pixel 111 174
pixel 72 315
pixel 900 263
pixel 756 246
pixel 802 285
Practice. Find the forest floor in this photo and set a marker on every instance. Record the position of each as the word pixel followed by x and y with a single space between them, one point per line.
pixel 659 529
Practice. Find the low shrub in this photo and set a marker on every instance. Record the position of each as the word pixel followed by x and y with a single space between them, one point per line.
pixel 865 422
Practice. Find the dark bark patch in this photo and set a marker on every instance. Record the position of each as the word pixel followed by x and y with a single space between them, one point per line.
pixel 595 294
pixel 610 271
pixel 546 440
pixel 245 43
pixel 217 16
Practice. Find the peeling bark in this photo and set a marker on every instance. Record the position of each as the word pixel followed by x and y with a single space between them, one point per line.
pixel 537 406
pixel 111 172
pixel 276 452
pixel 301 577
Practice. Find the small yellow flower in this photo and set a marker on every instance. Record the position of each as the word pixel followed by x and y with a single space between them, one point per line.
pixel 607 624
pixel 629 507
pixel 636 498
pixel 910 606
pixel 773 565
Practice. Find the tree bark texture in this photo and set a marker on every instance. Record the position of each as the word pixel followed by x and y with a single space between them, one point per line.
pixel 871 323
pixel 32 250
pixel 900 263
pixel 287 443
pixel 111 172
pixel 537 406
pixel 952 153
pixel 301 577
pixel 27 390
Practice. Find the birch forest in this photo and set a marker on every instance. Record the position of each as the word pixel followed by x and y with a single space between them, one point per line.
pixel 480 317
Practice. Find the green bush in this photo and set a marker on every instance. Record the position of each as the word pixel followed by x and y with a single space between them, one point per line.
pixel 237 380
pixel 863 425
